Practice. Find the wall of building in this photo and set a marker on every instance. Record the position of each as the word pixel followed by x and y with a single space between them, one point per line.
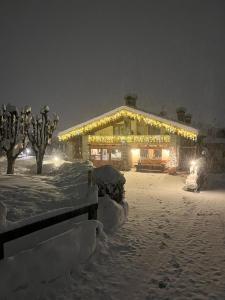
pixel 85 148
pixel 105 131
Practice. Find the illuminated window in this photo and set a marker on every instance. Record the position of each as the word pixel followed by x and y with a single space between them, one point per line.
pixel 116 154
pixel 105 154
pixel 96 154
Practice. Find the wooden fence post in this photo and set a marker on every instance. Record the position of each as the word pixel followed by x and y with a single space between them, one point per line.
pixel 1 250
pixel 93 212
pixel 90 178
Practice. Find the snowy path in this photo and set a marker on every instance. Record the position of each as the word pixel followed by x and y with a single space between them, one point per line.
pixel 172 247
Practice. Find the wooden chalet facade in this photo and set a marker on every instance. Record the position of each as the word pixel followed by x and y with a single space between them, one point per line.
pixel 127 137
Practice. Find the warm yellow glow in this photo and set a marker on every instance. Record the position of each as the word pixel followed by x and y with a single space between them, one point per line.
pixel 165 153
pixel 135 155
pixel 135 152
pixel 193 163
pixel 124 113
pixel 98 139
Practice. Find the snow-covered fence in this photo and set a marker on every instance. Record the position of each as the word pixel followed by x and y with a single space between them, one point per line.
pixel 19 232
pixel 42 222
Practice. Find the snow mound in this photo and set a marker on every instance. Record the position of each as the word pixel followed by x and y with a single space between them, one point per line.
pixel 68 171
pixel 3 214
pixel 26 274
pixel 108 174
pixel 110 182
pixel 111 214
pixel 191 181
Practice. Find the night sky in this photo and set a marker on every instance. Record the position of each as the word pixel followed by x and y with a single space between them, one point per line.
pixel 82 57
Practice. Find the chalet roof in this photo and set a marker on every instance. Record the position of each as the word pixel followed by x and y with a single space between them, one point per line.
pixel 133 113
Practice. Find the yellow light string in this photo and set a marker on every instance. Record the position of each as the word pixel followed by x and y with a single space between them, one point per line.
pixel 92 139
pixel 82 130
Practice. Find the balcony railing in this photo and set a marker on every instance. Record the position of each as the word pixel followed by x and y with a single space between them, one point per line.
pixel 116 139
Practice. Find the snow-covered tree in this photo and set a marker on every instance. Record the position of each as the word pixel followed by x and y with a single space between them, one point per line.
pixel 14 125
pixel 40 134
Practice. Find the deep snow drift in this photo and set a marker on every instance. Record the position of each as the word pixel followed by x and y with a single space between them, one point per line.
pixel 33 262
pixel 172 246
pixel 64 184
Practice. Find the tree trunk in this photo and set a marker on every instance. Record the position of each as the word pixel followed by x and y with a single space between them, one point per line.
pixel 39 161
pixel 10 164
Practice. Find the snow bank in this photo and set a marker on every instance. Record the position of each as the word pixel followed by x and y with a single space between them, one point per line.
pixel 3 214
pixel 27 196
pixel 108 174
pixel 191 181
pixel 110 182
pixel 112 209
pixel 111 214
pixel 26 273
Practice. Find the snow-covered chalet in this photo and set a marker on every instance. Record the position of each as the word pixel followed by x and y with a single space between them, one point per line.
pixel 128 137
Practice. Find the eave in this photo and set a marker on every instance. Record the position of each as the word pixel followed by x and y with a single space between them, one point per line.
pixel 125 111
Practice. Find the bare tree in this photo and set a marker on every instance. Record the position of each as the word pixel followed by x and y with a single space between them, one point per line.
pixel 40 134
pixel 14 125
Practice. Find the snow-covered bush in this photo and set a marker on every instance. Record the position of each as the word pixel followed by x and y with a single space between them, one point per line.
pixel 112 208
pixel 110 182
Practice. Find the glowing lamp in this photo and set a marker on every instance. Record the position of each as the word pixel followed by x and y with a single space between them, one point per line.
pixel 28 151
pixel 56 158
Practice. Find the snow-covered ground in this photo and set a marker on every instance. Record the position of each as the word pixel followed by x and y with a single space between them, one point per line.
pixel 26 194
pixel 172 246
pixel 34 261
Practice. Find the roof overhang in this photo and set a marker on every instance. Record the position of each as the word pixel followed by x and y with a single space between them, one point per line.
pixel 125 111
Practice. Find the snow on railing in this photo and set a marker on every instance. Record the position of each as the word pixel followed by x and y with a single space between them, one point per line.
pixel 40 222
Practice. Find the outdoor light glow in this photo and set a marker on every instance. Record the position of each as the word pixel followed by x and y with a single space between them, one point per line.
pixel 56 158
pixel 193 163
pixel 28 151
pixel 166 153
pixel 135 152
pixel 125 113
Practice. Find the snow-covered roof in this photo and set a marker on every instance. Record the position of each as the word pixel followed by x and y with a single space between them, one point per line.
pixel 112 115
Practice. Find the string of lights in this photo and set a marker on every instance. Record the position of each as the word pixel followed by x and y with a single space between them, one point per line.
pixel 93 139
pixel 107 120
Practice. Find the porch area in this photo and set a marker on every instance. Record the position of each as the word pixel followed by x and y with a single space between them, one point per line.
pixel 145 153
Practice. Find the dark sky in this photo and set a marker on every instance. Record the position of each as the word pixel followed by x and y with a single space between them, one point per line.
pixel 82 57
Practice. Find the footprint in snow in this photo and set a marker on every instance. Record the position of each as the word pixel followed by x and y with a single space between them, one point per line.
pixel 162 284
pixel 160 226
pixel 157 233
pixel 166 235
pixel 163 245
